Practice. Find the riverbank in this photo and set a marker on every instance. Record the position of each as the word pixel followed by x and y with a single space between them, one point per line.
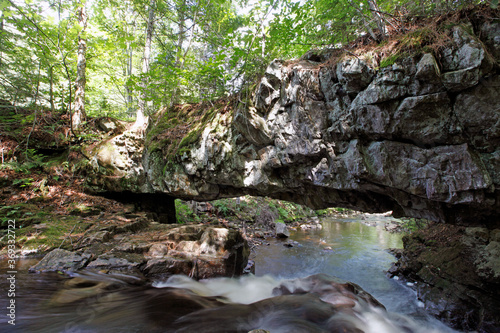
pixel 455 271
pixel 55 215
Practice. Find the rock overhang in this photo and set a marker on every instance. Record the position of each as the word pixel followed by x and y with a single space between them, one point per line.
pixel 420 137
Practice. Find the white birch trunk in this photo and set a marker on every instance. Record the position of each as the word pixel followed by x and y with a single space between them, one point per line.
pixel 142 119
pixel 81 80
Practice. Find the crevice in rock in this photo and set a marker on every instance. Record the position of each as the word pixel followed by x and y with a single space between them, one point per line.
pixel 161 206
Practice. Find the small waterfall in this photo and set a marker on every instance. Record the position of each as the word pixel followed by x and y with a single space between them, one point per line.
pixel 318 303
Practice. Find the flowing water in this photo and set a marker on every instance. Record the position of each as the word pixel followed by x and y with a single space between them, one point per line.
pixel 293 290
pixel 350 250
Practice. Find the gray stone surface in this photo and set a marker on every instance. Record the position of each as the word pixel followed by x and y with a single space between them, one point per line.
pixel 281 230
pixel 61 260
pixel 418 137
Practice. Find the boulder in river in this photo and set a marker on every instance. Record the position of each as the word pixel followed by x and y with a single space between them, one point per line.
pixel 282 230
pixel 160 251
pixel 61 260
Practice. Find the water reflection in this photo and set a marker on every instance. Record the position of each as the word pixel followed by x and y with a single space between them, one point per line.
pixel 350 250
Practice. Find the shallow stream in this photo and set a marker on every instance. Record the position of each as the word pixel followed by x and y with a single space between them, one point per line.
pixel 280 297
pixel 352 249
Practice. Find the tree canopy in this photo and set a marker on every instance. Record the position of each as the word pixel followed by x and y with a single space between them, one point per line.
pixel 164 52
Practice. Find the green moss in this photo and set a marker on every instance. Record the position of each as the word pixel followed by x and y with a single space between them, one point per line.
pixel 169 165
pixel 54 232
pixel 190 138
pixel 166 135
pixel 391 59
pixel 25 214
pixel 414 224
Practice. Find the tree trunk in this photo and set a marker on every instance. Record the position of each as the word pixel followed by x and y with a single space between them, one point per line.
pixel 1 37
pixel 142 118
pixel 51 88
pixel 129 67
pixel 79 111
pixel 181 18
pixel 129 72
pixel 377 16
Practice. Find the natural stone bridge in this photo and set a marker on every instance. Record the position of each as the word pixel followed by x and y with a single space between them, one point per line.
pixel 420 137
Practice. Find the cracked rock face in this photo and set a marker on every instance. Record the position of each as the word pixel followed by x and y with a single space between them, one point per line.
pixel 420 137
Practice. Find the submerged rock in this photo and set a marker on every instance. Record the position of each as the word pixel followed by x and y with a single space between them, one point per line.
pixel 319 303
pixel 109 302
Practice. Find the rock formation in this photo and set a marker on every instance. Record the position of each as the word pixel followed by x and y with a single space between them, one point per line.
pixel 419 137
pixel 456 271
pixel 157 251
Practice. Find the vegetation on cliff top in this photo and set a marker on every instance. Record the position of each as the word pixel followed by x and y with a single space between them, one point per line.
pixel 165 52
pixel 174 129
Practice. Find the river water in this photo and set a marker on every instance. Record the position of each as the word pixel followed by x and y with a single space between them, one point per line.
pixel 352 249
pixel 293 290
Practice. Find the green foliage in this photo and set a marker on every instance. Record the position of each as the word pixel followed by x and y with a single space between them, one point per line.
pixel 391 59
pixel 414 224
pixel 26 163
pixel 289 211
pixel 184 213
pixel 36 53
pixel 25 214
pixel 224 207
pixel 9 213
pixel 202 50
pixel 321 212
pixel 24 182
pixel 33 159
pixel 283 214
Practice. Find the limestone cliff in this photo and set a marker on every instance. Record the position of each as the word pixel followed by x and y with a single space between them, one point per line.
pixel 419 136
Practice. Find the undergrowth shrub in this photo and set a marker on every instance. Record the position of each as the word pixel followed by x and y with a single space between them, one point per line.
pixel 184 213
